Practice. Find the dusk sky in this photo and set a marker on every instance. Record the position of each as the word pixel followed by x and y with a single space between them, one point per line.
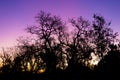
pixel 16 15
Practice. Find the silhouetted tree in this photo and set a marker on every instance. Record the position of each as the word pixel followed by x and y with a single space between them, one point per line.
pixel 102 35
pixel 110 64
pixel 28 58
pixel 49 32
pixel 55 43
pixel 80 46
pixel 6 57
pixel 57 51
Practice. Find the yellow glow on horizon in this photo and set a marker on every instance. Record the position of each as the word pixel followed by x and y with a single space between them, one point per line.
pixel 41 71
pixel 94 60
pixel 28 66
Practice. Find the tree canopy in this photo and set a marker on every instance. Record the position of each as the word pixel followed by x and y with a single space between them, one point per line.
pixel 54 49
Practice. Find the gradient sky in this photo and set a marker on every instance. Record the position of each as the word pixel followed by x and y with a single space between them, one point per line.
pixel 16 15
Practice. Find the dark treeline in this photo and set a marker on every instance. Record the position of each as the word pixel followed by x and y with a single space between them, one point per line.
pixel 56 51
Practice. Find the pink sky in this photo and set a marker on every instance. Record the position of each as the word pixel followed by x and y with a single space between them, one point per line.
pixel 16 15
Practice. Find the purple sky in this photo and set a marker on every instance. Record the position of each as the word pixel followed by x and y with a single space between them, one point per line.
pixel 15 15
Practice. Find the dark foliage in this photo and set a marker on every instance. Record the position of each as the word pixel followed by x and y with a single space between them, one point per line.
pixel 58 54
pixel 109 66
